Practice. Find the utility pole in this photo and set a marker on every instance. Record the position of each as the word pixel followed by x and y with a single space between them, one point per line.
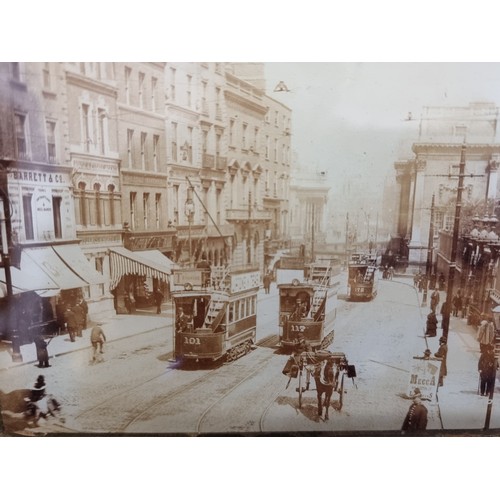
pixel 430 245
pixel 454 243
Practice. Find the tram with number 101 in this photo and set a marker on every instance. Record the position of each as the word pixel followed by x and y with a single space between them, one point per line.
pixel 215 312
pixel 307 303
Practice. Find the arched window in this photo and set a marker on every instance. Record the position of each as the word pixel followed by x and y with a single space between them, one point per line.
pixel 83 203
pixel 98 208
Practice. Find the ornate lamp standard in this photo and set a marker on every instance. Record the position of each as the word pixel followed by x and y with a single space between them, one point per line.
pixel 189 212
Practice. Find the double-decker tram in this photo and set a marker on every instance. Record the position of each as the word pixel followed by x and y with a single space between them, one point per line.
pixel 362 277
pixel 308 306
pixel 215 313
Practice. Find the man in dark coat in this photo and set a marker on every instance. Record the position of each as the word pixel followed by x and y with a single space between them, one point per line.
pixel 79 319
pixel 442 354
pixel 487 367
pixel 158 298
pixel 42 353
pixel 431 325
pixel 435 299
pixel 416 418
pixel 71 323
pixel 267 282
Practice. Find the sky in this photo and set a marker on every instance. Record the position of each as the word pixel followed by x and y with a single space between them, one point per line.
pixel 350 119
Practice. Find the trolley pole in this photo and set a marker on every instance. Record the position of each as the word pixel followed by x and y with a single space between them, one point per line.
pixel 453 257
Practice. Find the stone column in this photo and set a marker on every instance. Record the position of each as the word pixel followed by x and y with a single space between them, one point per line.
pixel 415 246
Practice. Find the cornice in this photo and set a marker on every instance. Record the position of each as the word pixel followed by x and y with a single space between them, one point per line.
pixel 91 84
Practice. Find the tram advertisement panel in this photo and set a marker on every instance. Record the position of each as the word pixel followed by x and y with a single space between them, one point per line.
pixel 200 344
pixel 310 330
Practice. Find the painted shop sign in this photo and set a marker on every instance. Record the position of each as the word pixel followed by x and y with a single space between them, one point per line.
pixel 39 177
pixel 424 375
pixel 245 281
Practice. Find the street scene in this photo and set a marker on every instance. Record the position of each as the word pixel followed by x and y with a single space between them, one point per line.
pixel 229 249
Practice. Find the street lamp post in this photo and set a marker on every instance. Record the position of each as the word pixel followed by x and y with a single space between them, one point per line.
pixel 189 211
pixel 428 264
pixel 454 243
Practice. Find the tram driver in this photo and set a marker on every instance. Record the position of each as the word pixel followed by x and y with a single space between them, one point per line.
pixel 182 322
pixel 299 312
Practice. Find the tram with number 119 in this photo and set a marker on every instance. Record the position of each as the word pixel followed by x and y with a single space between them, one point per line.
pixel 215 313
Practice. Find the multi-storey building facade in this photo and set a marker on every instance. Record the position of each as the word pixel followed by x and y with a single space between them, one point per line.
pixel 433 171
pixel 38 194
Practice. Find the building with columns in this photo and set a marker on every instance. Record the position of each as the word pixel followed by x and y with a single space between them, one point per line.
pixel 433 169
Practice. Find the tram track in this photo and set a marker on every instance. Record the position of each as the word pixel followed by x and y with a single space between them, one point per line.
pixel 172 394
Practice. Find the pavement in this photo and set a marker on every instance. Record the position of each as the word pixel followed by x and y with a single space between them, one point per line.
pixel 459 407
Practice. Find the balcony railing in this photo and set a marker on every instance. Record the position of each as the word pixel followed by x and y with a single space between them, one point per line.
pixel 245 215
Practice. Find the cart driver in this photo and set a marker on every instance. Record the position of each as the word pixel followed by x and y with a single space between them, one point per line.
pixel 301 344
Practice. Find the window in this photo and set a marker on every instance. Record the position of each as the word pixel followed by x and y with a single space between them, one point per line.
pixel 28 217
pixel 86 127
pixel 231 132
pixel 111 192
pixel 204 105
pixel 102 117
pixel 144 138
pixel 154 87
pixel 128 73
pixel 156 142
pixel 141 90
pixel 244 136
pixel 276 118
pixel 130 145
pixel 46 75
pixel 218 139
pixel 98 207
pixel 256 139
pixel 99 265
pixel 21 136
pixel 133 209
pixel 205 140
pixel 267 147
pixel 275 150
pixel 267 180
pixel 145 209
pixel 188 90
pixel 190 145
pixel 218 113
pixel 56 212
pixel 172 84
pixel 174 142
pixel 83 204
pixel 176 203
pixel 50 128
pixel 158 210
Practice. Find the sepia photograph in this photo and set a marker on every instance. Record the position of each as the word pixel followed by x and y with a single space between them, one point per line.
pixel 249 248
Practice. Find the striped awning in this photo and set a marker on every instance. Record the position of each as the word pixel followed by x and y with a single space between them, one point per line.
pixel 123 261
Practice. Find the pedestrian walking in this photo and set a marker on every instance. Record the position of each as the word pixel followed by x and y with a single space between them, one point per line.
pixel 79 319
pixel 485 334
pixel 85 308
pixel 431 326
pixel 71 323
pixel 42 353
pixel 416 418
pixel 442 354
pixel 267 283
pixel 158 298
pixel 445 316
pixel 97 339
pixel 435 298
pixel 487 367
pixel 457 304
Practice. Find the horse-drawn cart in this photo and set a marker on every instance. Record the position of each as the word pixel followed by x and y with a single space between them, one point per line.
pixel 328 369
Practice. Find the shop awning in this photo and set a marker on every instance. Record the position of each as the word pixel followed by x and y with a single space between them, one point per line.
pixel 159 258
pixel 45 261
pixel 24 282
pixel 124 262
pixel 75 259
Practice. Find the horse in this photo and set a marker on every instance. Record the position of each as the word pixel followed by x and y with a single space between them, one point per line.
pixel 325 377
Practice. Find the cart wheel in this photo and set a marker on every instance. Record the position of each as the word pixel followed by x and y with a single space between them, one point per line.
pixel 341 398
